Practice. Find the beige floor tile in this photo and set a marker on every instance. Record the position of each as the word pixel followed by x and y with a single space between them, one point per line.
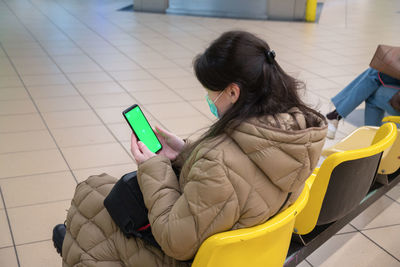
pixel 38 255
pixel 89 77
pixel 304 264
pixel 131 75
pixel 79 67
pixel 42 219
pixel 192 94
pixel 15 123
pixel 10 81
pixel 122 130
pixel 8 257
pixel 181 83
pixel 111 115
pixel 157 63
pixel 99 88
pixel 320 84
pixel 383 212
pixel 394 193
pixel 96 155
pixel 62 104
pixel 38 189
pixel 85 135
pixel 187 126
pixel 38 69
pixel 5 237
pixel 169 110
pixel 343 80
pixel 347 229
pixel 115 171
pixel 353 250
pixel 26 163
pixel 50 79
pixel 111 100
pixel 156 97
pixel 112 66
pixel 169 72
pixel 65 119
pixel 72 59
pixel 14 107
pixel 143 85
pixel 47 91
pixel 387 238
pixel 14 93
pixel 25 141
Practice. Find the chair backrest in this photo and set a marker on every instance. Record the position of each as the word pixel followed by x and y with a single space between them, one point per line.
pixel 342 181
pixel 262 245
pixel 391 159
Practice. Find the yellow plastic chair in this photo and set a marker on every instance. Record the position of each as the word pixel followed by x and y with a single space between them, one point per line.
pixel 262 245
pixel 342 181
pixel 362 137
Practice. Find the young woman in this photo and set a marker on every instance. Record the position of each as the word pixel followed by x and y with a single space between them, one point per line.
pixel 250 165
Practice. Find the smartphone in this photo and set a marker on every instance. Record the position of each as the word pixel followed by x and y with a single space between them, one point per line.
pixel 141 128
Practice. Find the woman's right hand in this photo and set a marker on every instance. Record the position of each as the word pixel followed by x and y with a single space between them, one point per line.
pixel 172 145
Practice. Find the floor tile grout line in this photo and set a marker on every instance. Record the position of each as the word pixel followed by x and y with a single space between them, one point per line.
pixel 72 84
pixel 62 147
pixel 61 171
pixel 42 118
pixel 33 242
pixel 9 227
pixel 119 27
pixel 101 67
pixel 379 246
pixel 376 227
pixel 123 53
pixel 395 200
pixel 39 203
pixel 309 263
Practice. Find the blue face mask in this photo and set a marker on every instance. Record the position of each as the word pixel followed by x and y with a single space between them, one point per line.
pixel 211 104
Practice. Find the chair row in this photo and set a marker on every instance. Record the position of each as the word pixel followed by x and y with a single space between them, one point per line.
pixel 331 192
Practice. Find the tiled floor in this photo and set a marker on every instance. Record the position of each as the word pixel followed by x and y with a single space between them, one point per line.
pixel 69 67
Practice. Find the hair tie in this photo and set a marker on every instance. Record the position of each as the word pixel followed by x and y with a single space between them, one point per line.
pixel 270 55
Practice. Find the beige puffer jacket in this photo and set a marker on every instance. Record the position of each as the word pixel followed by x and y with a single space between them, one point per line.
pixel 233 182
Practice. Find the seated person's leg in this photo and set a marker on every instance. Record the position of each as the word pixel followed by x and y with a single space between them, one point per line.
pixel 356 92
pixel 377 104
pixel 350 97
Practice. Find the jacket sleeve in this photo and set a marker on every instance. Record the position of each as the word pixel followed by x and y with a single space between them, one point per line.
pixel 181 221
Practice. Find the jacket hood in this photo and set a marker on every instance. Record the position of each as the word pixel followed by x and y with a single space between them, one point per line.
pixel 286 146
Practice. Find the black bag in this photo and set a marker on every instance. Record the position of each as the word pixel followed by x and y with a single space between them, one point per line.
pixel 126 207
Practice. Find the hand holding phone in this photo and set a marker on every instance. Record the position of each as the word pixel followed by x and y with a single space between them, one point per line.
pixel 141 128
pixel 172 144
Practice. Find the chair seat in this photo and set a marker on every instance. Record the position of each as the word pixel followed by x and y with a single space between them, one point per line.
pixel 361 138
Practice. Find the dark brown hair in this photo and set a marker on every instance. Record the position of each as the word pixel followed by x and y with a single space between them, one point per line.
pixel 265 89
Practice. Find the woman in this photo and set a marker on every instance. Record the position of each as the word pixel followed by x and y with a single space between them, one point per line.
pixel 378 90
pixel 251 164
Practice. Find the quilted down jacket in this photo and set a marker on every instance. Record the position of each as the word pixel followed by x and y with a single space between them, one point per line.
pixel 237 180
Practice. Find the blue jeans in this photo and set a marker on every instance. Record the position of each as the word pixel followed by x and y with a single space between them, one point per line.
pixel 367 87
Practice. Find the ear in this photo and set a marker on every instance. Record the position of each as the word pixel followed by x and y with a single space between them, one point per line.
pixel 233 91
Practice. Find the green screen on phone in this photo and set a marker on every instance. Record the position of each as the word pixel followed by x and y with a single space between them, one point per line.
pixel 142 128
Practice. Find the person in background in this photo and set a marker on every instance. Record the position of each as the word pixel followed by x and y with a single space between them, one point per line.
pixel 378 90
pixel 251 164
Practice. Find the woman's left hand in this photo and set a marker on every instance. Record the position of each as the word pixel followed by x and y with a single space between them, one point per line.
pixel 140 151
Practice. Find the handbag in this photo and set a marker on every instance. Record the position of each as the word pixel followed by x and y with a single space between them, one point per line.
pixel 387 60
pixel 126 207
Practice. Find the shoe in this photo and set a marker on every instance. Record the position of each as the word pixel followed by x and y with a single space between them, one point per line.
pixel 332 128
pixel 58 237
